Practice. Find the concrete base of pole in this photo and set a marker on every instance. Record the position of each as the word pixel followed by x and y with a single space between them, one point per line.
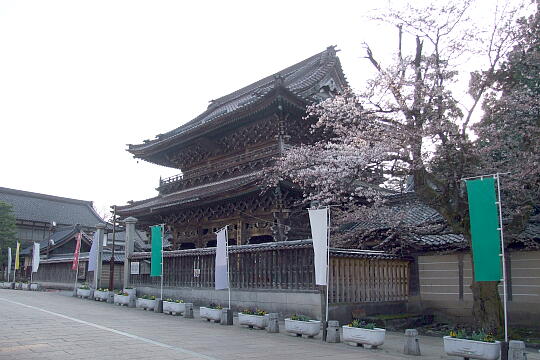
pixel 159 306
pixel 12 285
pixel 188 313
pixel 516 350
pixel 132 301
pixel 226 317
pixel 110 297
pixel 272 325
pixel 412 345
pixel 332 332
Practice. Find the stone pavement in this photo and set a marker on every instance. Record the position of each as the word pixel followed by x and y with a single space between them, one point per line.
pixel 47 325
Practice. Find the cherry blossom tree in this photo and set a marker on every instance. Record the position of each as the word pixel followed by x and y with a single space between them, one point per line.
pixel 412 120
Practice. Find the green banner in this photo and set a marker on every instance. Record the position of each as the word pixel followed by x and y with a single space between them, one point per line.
pixel 484 217
pixel 157 240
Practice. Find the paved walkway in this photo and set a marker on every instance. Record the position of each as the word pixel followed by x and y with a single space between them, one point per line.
pixel 45 325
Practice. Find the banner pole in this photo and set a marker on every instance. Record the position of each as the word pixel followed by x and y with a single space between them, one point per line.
pixel 162 238
pixel 227 252
pixel 503 256
pixel 327 263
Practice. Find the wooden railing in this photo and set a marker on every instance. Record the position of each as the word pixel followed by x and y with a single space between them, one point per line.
pixel 355 276
pixel 355 280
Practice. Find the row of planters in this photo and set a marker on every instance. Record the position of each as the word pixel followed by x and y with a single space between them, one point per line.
pixel 477 345
pixel 20 285
pixel 123 297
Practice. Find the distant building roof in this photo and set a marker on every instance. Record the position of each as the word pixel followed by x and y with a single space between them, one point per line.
pixel 32 206
pixel 57 238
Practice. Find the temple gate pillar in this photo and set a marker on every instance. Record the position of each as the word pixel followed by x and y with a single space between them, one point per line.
pixel 100 230
pixel 130 240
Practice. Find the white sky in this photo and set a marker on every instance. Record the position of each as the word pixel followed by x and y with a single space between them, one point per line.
pixel 80 80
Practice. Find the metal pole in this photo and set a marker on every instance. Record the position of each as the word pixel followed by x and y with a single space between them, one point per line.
pixel 227 253
pixel 111 264
pixel 327 262
pixel 162 239
pixel 503 257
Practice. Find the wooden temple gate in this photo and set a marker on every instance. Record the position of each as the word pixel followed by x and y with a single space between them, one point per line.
pixel 356 276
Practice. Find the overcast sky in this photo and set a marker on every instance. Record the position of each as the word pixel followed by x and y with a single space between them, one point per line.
pixel 80 80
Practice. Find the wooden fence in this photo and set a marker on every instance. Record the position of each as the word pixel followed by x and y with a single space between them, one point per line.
pixel 355 276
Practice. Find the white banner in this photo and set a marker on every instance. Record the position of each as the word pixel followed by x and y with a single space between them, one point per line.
pixel 318 220
pixel 35 259
pixel 9 262
pixel 221 276
pixel 92 257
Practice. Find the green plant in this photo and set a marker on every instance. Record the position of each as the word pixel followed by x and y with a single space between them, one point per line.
pixel 174 300
pixel 476 336
pixel 257 312
pixel 215 306
pixel 362 324
pixel 299 317
pixel 84 286
pixel 148 297
pixel 103 289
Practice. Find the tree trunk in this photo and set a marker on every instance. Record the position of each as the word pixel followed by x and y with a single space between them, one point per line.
pixel 487 307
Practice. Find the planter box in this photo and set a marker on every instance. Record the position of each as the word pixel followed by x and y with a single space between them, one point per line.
pixel 173 308
pixel 18 286
pixel 253 321
pixel 83 293
pixel 101 295
pixel 25 286
pixel 145 304
pixel 7 285
pixel 34 287
pixel 361 336
pixel 121 300
pixel 210 314
pixel 309 328
pixel 472 349
pixel 131 292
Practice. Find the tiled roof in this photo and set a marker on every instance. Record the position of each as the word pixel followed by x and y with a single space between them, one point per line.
pixel 140 243
pixel 410 212
pixel 66 258
pixel 46 208
pixel 185 196
pixel 60 235
pixel 303 244
pixel 301 79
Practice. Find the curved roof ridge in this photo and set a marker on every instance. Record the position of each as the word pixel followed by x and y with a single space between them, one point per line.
pixel 297 78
